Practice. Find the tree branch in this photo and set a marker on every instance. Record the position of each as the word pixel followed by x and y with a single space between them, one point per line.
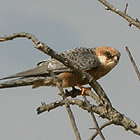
pixel 103 126
pixel 105 110
pixel 126 8
pixel 76 92
pixel 133 63
pixel 71 116
pixel 111 114
pixel 47 50
pixel 94 119
pixel 131 21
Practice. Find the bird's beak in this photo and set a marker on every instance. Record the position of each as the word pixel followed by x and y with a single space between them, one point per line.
pixel 116 59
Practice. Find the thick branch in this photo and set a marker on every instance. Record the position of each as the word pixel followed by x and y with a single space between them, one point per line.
pixel 76 92
pixel 112 115
pixel 131 21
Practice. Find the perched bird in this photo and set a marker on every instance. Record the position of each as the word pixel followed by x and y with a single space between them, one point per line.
pixel 96 61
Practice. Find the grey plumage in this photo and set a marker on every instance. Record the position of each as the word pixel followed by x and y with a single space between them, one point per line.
pixel 84 57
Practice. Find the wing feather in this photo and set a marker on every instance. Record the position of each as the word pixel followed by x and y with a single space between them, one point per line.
pixel 84 57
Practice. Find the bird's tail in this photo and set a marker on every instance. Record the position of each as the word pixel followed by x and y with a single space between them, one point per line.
pixel 27 81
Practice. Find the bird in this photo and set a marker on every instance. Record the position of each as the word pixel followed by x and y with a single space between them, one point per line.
pixel 97 61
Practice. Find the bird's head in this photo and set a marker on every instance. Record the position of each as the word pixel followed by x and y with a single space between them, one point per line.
pixel 108 57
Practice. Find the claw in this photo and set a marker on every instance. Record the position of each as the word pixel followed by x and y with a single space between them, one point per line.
pixel 83 89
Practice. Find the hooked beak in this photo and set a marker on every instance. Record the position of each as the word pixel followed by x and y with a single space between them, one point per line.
pixel 116 59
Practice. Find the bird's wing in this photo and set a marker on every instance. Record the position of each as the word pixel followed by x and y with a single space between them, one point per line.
pixel 41 69
pixel 84 57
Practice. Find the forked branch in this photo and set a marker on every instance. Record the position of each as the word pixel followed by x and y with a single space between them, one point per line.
pixel 131 21
pixel 105 110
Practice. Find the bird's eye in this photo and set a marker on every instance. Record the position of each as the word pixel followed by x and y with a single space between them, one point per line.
pixel 108 54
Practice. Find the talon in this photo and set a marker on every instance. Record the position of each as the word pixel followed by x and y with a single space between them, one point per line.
pixel 83 89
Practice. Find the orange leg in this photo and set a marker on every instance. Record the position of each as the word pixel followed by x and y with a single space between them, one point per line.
pixel 83 89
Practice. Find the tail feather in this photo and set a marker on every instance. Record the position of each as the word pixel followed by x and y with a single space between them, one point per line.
pixel 26 81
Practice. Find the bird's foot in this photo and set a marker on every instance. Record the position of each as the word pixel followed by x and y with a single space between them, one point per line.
pixel 83 89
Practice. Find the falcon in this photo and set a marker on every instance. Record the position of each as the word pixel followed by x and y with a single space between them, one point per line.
pixel 96 61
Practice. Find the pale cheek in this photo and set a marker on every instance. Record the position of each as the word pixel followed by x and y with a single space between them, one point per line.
pixel 102 60
pixel 107 64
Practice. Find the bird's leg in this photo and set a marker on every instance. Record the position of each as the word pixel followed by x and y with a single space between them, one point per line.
pixel 83 89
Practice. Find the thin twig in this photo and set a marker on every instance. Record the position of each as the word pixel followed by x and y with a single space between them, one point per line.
pixel 103 126
pixel 122 14
pixel 133 62
pixel 94 119
pixel 71 116
pixel 126 8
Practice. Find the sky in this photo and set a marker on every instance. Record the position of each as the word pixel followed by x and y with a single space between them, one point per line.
pixel 64 25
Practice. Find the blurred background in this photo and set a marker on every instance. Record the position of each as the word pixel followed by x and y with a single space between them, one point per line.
pixel 64 25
